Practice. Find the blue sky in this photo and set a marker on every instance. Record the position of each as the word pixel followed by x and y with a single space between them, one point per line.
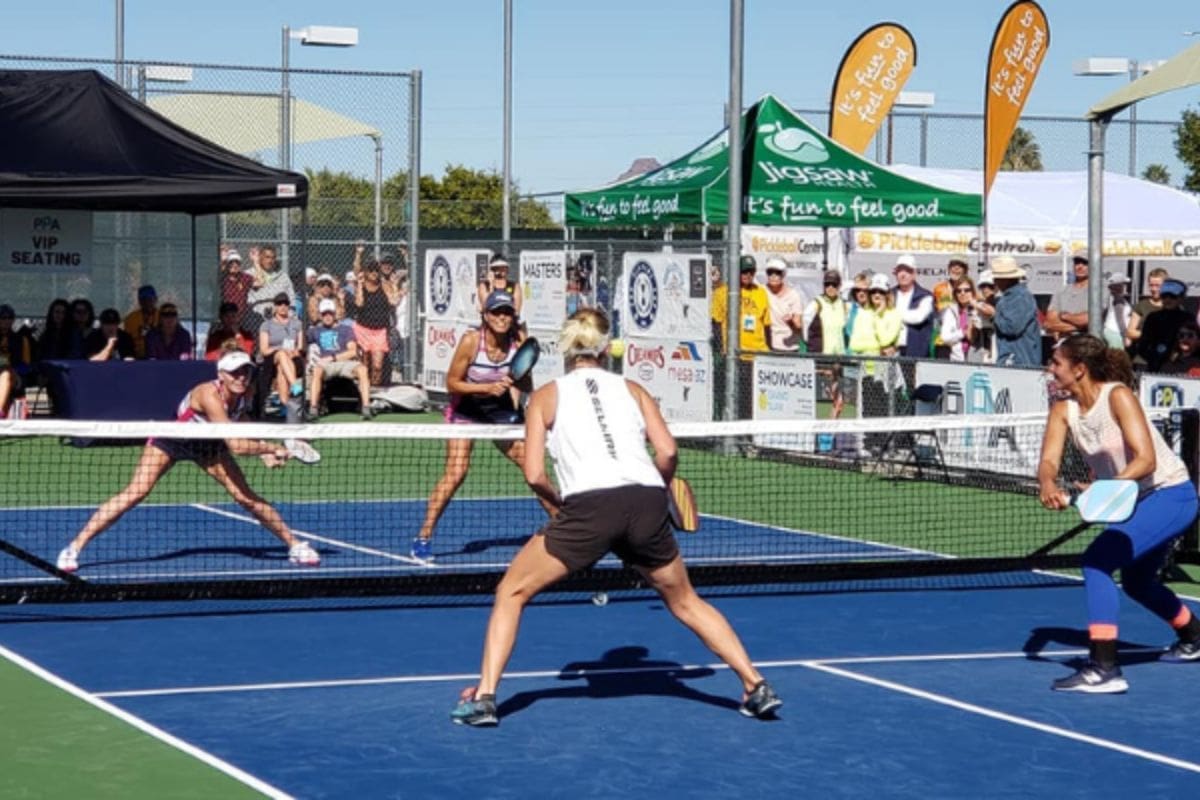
pixel 597 84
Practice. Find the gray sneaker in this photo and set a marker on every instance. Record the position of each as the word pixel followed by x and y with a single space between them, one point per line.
pixel 1182 651
pixel 761 703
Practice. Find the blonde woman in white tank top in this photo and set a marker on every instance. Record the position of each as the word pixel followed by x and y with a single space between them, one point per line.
pixel 1108 426
pixel 611 497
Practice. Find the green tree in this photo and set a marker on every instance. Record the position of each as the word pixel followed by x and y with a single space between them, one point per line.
pixel 1187 145
pixel 470 198
pixel 340 199
pixel 1023 153
pixel 1157 173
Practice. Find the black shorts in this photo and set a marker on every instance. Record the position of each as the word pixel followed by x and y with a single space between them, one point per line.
pixel 630 521
pixel 205 452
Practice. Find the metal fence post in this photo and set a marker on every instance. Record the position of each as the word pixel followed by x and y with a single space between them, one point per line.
pixel 416 270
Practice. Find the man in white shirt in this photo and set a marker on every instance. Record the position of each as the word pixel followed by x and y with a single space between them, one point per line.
pixel 915 304
pixel 1117 310
pixel 786 307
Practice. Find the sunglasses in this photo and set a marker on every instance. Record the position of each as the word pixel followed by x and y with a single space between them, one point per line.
pixel 964 290
pixel 243 373
pixel 827 284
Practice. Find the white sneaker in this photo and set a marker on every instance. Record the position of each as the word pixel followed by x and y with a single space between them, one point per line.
pixel 302 553
pixel 68 559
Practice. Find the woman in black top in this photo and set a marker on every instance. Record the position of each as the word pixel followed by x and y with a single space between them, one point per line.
pixel 375 301
pixel 55 341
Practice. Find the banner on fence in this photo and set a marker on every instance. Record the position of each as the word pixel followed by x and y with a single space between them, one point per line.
pixel 945 388
pixel 1169 391
pixel 665 295
pixel 544 286
pixel 451 283
pixel 441 338
pixel 785 388
pixel 676 372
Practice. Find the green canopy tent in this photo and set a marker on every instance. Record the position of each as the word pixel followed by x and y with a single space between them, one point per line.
pixel 794 175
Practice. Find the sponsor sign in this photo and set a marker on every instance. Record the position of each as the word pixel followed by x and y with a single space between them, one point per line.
pixel 873 71
pixel 785 388
pixel 544 288
pixel 1169 391
pixel 451 281
pixel 550 361
pixel 441 338
pixel 676 372
pixel 665 295
pixel 1018 47
pixel 975 389
pixel 45 241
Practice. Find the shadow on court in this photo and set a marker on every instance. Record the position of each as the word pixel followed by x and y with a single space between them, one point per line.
pixel 623 672
pixel 481 545
pixel 274 554
pixel 1039 638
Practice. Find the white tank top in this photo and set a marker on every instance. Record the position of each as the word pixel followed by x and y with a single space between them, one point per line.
pixel 598 440
pixel 1100 441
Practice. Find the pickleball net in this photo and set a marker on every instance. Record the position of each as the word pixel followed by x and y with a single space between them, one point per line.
pixel 781 502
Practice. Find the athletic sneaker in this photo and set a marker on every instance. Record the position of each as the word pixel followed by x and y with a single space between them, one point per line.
pixel 422 550
pixel 297 388
pixel 478 711
pixel 1093 679
pixel 302 553
pixel 367 412
pixel 68 559
pixel 1180 651
pixel 761 703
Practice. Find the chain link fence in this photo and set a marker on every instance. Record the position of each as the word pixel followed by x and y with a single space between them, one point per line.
pixel 361 126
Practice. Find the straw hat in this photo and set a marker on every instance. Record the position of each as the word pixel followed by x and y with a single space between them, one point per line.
pixel 1006 267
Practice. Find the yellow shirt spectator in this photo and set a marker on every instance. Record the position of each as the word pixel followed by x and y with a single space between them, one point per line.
pixel 139 321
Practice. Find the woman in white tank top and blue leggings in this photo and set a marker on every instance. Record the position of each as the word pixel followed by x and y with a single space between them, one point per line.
pixel 611 496
pixel 1109 428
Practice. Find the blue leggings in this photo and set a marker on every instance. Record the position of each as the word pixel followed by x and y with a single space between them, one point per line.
pixel 1138 547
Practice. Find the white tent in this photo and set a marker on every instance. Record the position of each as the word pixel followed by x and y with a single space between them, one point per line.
pixel 1041 218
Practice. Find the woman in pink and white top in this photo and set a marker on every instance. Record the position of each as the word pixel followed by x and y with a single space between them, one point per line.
pixel 225 399
pixel 482 391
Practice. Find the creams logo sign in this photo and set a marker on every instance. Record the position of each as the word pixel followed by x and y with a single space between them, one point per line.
pixel 645 360
pixel 442 339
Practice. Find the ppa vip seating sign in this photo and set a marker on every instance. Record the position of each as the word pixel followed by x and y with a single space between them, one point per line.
pixel 785 388
pixel 976 389
pixel 451 307
pixel 46 241
pixel 663 306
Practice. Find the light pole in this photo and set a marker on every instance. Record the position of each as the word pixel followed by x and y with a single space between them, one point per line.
pixel 506 209
pixel 1120 66
pixel 313 36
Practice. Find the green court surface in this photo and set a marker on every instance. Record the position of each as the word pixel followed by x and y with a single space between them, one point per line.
pixel 57 745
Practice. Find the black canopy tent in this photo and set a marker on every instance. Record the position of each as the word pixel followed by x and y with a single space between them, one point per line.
pixel 75 140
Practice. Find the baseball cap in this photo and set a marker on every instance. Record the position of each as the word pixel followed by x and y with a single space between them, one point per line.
pixel 747 264
pixel 109 316
pixel 906 261
pixel 326 305
pixel 832 276
pixel 1113 278
pixel 499 299
pixel 228 308
pixel 325 277
pixel 233 361
pixel 776 264
pixel 233 255
pixel 387 258
pixel 498 261
pixel 147 292
pixel 309 272
pixel 986 279
pixel 350 277
pixel 1174 288
pixel 1079 255
pixel 880 283
pixel 282 298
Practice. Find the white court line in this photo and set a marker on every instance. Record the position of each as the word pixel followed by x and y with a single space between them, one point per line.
pixel 371 551
pixel 1012 719
pixel 145 727
pixel 556 673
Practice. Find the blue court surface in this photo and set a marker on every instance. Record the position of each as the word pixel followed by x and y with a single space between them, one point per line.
pixel 937 691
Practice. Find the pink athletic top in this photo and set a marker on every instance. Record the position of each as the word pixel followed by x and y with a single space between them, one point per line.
pixel 481 370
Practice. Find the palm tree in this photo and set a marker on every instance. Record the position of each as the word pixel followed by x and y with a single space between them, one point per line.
pixel 1023 153
pixel 1157 173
